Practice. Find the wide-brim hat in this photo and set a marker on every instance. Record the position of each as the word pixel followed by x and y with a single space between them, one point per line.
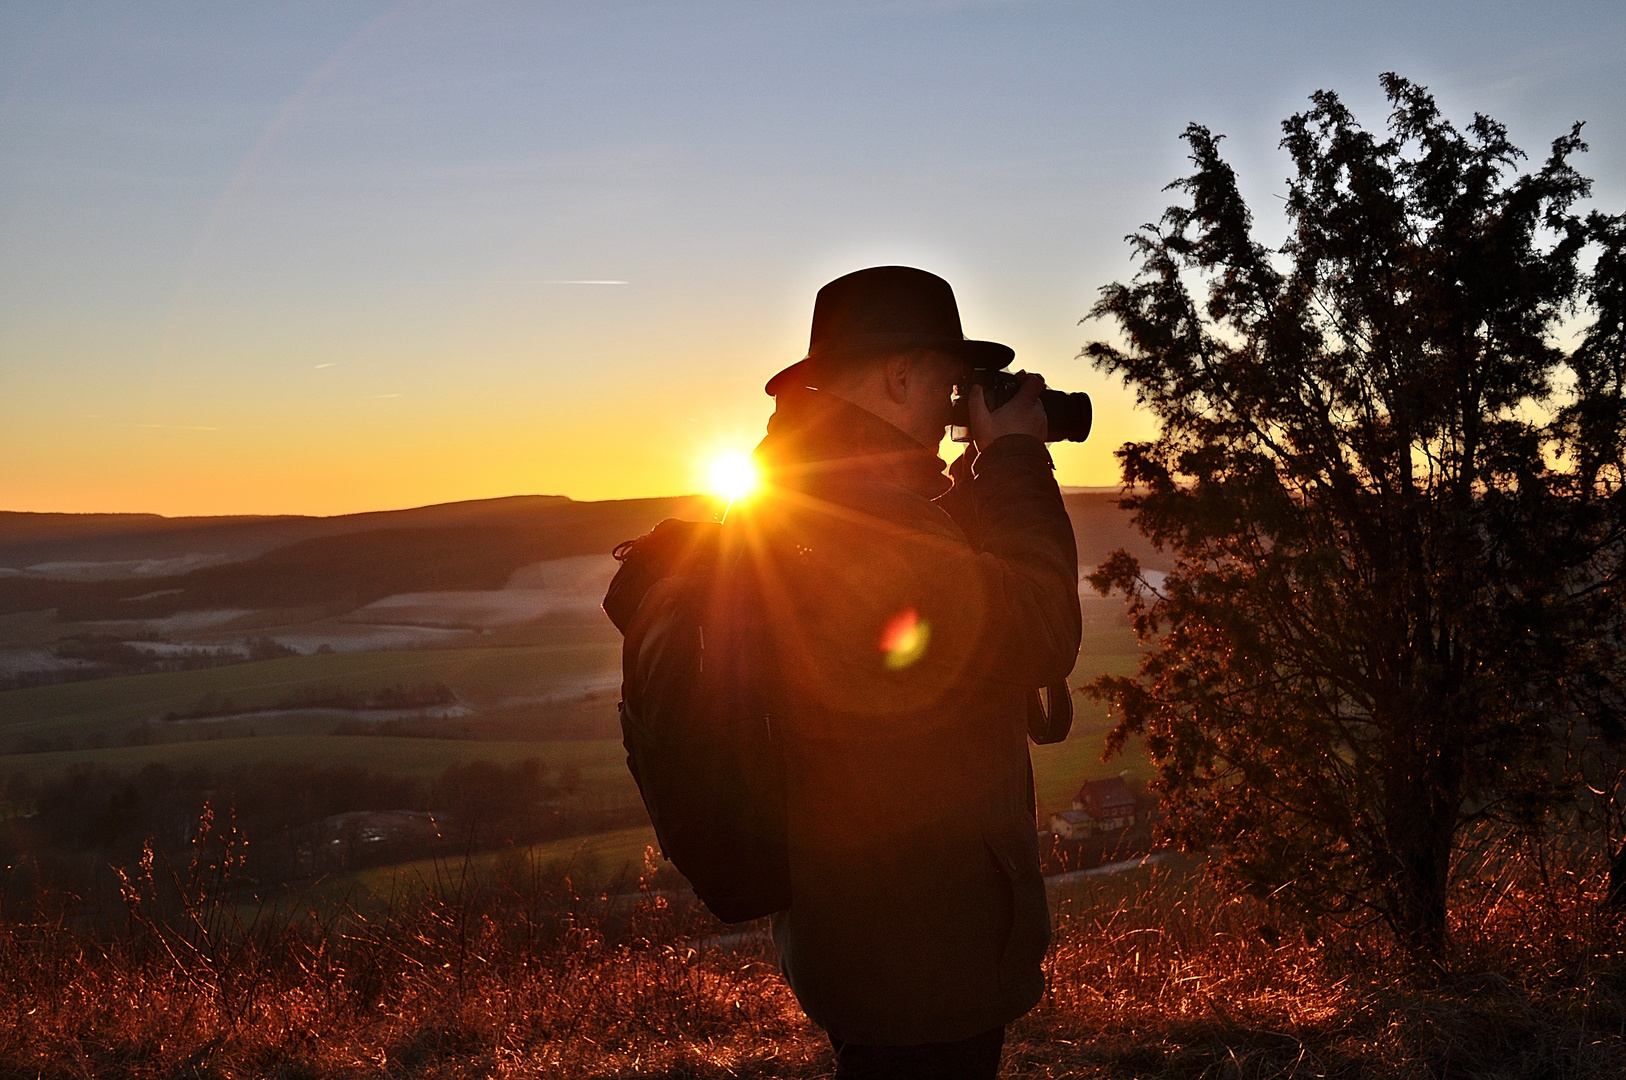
pixel 887 309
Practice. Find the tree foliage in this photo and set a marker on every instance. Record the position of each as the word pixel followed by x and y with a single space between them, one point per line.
pixel 1393 498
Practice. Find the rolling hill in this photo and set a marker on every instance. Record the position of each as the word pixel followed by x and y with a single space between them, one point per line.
pixel 460 546
pixel 346 562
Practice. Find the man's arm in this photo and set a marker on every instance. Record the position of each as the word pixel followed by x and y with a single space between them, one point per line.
pixel 1028 562
pixel 1022 415
pixel 1029 558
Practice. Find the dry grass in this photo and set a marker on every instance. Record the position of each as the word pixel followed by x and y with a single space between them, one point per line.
pixel 1157 976
pixel 1174 980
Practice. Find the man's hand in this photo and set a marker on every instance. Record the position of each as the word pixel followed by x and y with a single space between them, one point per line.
pixel 1022 415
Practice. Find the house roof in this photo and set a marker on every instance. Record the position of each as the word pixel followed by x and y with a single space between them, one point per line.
pixel 1105 798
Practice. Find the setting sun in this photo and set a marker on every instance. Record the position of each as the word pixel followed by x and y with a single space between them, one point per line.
pixel 733 476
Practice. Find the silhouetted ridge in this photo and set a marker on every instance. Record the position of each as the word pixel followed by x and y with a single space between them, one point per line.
pixel 452 546
pixel 350 570
pixel 29 538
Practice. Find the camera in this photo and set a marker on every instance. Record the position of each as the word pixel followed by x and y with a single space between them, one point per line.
pixel 1067 415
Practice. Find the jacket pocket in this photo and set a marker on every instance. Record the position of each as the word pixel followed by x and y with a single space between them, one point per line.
pixel 1015 852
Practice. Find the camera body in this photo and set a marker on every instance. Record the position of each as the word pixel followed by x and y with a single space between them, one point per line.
pixel 1068 415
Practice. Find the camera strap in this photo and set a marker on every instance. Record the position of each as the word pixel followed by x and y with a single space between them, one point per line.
pixel 1050 713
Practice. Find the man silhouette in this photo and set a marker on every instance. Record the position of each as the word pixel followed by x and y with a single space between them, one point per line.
pixel 909 616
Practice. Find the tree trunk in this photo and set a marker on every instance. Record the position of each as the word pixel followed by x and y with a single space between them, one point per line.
pixel 1617 880
pixel 1422 823
pixel 1418 888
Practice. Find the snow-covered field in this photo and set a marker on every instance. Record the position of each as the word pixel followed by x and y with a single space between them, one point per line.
pixel 347 637
pixel 170 648
pixel 31 659
pixel 182 622
pixel 572 690
pixel 1097 607
pixel 580 575
pixel 428 712
pixel 573 586
pixel 557 586
pixel 98 571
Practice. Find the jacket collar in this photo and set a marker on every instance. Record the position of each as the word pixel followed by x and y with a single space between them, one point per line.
pixel 814 437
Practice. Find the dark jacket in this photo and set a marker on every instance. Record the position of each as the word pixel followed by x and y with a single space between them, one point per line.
pixel 908 621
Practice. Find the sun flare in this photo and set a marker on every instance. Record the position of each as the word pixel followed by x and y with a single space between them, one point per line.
pixel 733 476
pixel 904 639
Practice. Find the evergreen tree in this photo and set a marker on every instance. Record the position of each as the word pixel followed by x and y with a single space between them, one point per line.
pixel 1392 497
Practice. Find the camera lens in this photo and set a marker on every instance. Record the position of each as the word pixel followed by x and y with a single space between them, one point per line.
pixel 1068 415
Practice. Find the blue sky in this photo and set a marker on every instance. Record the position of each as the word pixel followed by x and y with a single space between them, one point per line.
pixel 321 257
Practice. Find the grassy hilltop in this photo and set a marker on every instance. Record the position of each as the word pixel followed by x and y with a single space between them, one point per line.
pixel 314 680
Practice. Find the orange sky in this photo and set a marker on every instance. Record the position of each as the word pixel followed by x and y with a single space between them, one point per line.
pixel 584 437
pixel 328 258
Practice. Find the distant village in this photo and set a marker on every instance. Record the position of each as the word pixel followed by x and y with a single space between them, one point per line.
pixel 1104 824
pixel 1100 807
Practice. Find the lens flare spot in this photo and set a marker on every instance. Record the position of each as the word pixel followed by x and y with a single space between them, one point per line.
pixel 904 639
pixel 733 476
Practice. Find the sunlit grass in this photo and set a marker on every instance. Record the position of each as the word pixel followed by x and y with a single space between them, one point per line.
pixel 504 970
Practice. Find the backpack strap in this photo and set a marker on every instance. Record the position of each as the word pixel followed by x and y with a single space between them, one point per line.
pixel 672 547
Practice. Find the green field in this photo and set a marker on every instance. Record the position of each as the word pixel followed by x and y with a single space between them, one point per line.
pixel 102 710
pixel 1060 769
pixel 602 761
pixel 591 861
pixel 1107 649
pixel 95 714
pixel 81 709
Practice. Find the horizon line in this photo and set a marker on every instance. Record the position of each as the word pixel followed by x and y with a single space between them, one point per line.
pixel 347 513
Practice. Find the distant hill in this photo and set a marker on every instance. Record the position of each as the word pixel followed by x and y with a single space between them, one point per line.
pixel 29 539
pixel 1101 528
pixel 348 561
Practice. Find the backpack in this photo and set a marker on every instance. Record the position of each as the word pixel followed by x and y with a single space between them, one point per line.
pixel 695 716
